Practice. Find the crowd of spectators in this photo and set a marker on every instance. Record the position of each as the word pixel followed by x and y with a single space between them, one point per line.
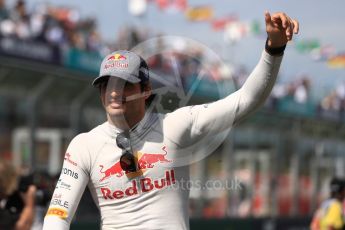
pixel 298 90
pixel 329 106
pixel 332 106
pixel 53 25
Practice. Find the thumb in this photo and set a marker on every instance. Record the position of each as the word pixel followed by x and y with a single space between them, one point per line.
pixel 267 17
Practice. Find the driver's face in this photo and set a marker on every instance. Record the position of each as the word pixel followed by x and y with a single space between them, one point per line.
pixel 116 98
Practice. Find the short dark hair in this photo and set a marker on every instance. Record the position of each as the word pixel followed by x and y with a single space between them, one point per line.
pixel 144 73
pixel 337 186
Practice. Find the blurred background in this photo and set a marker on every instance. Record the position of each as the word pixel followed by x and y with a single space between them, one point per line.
pixel 284 155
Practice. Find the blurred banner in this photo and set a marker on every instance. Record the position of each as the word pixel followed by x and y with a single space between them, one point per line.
pixel 82 60
pixel 30 49
pixel 289 105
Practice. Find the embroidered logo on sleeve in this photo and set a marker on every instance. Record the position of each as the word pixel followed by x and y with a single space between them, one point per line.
pixel 69 160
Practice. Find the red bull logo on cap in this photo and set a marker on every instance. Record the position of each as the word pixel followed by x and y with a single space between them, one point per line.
pixel 117 57
pixel 116 61
pixel 143 160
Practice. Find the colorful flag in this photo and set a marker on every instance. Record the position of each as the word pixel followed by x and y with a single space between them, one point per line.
pixel 64 14
pixel 323 53
pixel 256 28
pixel 306 46
pixel 200 13
pixel 179 5
pixel 219 23
pixel 337 61
pixel 162 4
pixel 235 31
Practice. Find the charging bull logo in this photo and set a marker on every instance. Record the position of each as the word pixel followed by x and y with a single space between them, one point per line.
pixel 143 161
pixel 113 170
pixel 148 160
pixel 117 57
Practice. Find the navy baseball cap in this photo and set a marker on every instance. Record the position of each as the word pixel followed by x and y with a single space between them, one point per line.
pixel 123 64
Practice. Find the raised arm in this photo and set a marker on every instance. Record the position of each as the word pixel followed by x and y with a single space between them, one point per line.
pixel 69 188
pixel 201 120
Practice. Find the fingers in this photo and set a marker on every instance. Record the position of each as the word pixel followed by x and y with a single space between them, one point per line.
pixel 289 28
pixel 267 17
pixel 293 25
pixel 280 17
pixel 282 20
pixel 296 26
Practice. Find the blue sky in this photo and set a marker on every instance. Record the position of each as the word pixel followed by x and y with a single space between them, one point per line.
pixel 322 20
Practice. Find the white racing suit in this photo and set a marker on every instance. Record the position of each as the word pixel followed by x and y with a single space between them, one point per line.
pixel 153 197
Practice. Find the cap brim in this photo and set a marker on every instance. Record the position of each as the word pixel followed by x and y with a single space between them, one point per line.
pixel 127 77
